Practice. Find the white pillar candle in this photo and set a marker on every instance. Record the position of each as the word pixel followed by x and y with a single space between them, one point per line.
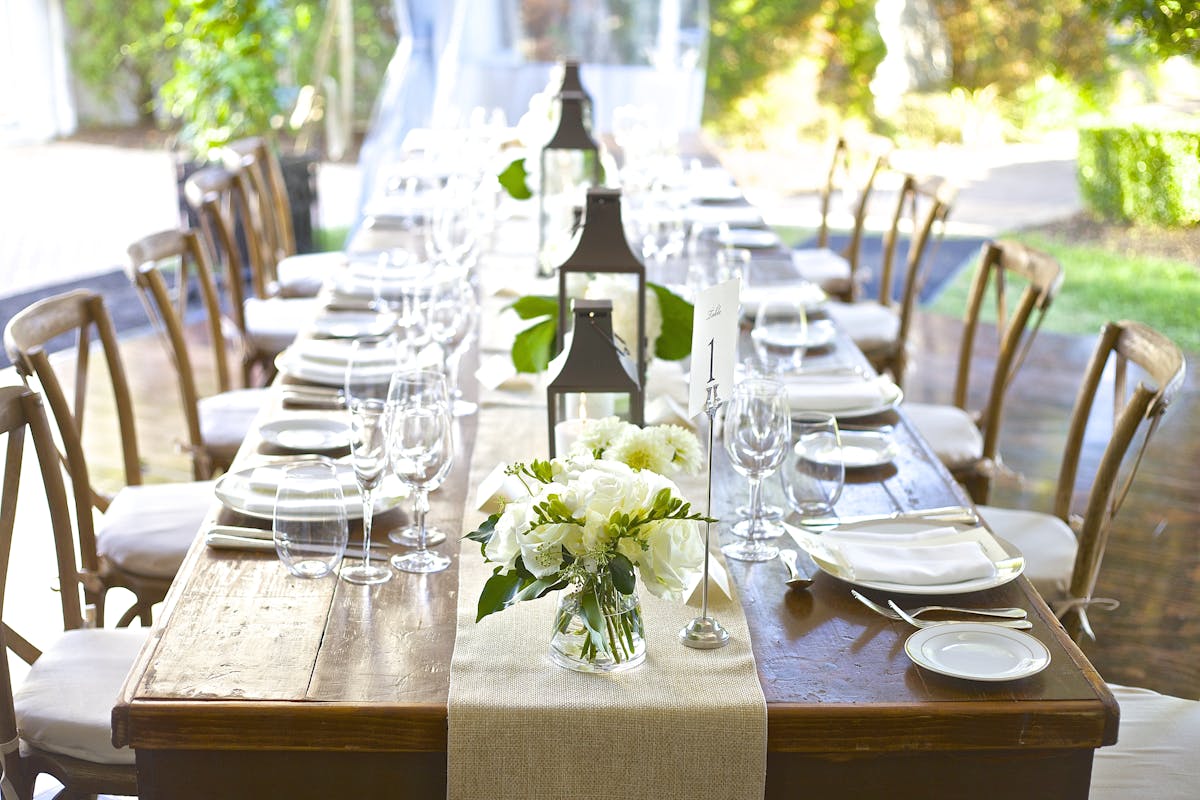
pixel 566 433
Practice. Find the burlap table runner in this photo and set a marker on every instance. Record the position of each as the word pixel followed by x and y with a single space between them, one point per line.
pixel 686 724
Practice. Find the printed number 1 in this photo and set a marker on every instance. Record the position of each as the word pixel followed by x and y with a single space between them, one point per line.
pixel 710 361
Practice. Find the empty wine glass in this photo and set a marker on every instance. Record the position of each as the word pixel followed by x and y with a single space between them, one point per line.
pixel 309 519
pixel 757 434
pixel 450 317
pixel 813 472
pixel 368 374
pixel 422 451
pixel 733 262
pixel 430 386
pixel 780 335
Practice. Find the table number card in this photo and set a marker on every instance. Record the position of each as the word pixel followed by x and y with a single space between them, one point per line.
pixel 714 343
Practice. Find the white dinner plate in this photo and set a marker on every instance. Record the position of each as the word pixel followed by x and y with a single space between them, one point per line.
pixel 753 238
pixel 326 373
pixel 251 491
pixel 890 397
pixel 1007 558
pixel 352 324
pixel 715 192
pixel 820 333
pixel 977 651
pixel 862 449
pixel 306 434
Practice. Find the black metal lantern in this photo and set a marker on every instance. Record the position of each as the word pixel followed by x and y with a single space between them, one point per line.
pixel 602 249
pixel 570 164
pixel 573 84
pixel 592 378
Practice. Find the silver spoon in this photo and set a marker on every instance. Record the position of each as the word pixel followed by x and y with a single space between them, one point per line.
pixel 795 579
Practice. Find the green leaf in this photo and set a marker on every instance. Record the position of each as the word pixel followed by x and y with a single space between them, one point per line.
pixel 675 341
pixel 531 350
pixel 621 569
pixel 497 593
pixel 541 587
pixel 593 618
pixel 532 306
pixel 514 180
pixel 483 534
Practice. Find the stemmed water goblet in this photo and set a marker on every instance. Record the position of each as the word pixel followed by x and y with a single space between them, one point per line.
pixel 421 446
pixel 368 373
pixel 780 335
pixel 757 434
pixel 450 317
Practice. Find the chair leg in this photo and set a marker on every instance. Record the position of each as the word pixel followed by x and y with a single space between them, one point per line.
pixel 137 610
pixel 979 486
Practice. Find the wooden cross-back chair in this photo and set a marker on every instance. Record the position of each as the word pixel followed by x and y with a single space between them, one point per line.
pixel 837 272
pixel 1064 552
pixel 223 201
pixel 144 530
pixel 57 720
pixel 880 326
pixel 289 274
pixel 217 423
pixel 967 439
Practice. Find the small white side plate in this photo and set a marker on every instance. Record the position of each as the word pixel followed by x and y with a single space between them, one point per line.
pixel 306 434
pixel 862 449
pixel 977 651
pixel 350 325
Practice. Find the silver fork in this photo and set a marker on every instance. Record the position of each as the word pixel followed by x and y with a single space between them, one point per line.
pixel 1019 624
pixel 1005 613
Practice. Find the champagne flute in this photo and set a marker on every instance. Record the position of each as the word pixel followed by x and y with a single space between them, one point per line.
pixel 422 452
pixel 406 387
pixel 757 434
pixel 309 519
pixel 368 373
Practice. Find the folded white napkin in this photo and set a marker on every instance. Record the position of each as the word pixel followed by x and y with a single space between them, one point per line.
pixel 803 293
pixel 838 393
pixel 934 556
pixel 667 394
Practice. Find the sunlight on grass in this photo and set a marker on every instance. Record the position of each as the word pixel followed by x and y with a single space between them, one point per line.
pixel 1099 286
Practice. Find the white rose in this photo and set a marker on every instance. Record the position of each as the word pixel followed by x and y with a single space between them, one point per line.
pixel 674 554
pixel 542 547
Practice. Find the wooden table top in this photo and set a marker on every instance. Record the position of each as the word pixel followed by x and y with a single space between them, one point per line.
pixel 246 657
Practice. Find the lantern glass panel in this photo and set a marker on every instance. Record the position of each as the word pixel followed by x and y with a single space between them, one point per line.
pixel 566 177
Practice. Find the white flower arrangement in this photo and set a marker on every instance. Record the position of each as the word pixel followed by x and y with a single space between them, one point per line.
pixel 589 523
pixel 665 449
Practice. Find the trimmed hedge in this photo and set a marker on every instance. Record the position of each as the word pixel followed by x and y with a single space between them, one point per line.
pixel 1147 175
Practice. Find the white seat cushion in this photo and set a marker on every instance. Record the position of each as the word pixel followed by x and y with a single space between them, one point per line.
pixel 949 430
pixel 65 703
pixel 273 324
pixel 869 324
pixel 823 267
pixel 226 418
pixel 303 275
pixel 1156 750
pixel 148 529
pixel 1047 543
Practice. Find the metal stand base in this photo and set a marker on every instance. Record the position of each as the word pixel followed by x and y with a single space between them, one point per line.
pixel 704 633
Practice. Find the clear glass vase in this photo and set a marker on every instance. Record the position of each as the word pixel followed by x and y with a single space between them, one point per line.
pixel 614 643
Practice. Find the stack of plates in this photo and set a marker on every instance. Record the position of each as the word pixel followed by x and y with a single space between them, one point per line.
pixel 846 396
pixel 324 361
pixel 251 491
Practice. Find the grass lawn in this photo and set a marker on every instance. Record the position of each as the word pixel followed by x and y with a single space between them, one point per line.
pixel 1100 285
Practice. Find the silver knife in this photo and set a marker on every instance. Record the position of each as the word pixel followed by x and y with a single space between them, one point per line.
pixel 942 514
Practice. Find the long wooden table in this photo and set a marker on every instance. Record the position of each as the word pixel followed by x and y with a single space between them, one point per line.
pixel 257 684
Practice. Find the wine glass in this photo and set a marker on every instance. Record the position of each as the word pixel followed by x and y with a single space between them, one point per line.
pixel 369 369
pixel 813 472
pixel 407 386
pixel 421 446
pixel 450 316
pixel 309 519
pixel 757 434
pixel 780 335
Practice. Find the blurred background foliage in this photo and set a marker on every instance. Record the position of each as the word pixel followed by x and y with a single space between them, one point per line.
pixel 1013 67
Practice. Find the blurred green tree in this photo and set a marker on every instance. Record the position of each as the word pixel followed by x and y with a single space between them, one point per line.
pixel 103 46
pixel 1162 28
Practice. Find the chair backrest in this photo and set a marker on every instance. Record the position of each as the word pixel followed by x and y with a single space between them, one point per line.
pixel 180 258
pixel 82 313
pixel 1002 266
pixel 1161 363
pixel 21 411
pixel 229 221
pixel 256 155
pixel 842 167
